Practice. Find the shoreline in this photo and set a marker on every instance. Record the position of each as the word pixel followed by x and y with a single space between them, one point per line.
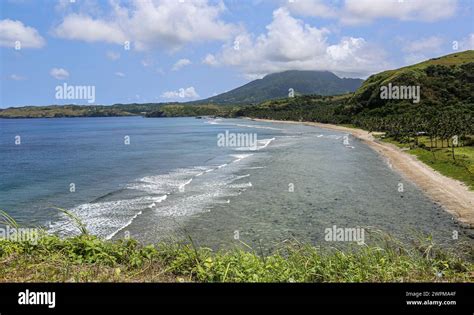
pixel 453 195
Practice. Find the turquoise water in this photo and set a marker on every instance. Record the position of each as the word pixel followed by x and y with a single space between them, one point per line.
pixel 173 180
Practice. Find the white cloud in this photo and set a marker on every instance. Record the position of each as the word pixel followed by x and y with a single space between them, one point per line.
pixel 180 64
pixel 119 74
pixel 112 55
pixel 366 11
pixel 85 28
pixel 12 31
pixel 291 44
pixel 156 23
pixel 182 93
pixel 59 73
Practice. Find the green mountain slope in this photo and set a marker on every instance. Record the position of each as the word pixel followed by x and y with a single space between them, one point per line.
pixel 443 81
pixel 277 85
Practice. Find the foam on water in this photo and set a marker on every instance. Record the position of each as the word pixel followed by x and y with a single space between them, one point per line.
pixel 261 144
pixel 181 192
pixel 166 183
pixel 240 157
pixel 258 127
pixel 219 122
pixel 105 218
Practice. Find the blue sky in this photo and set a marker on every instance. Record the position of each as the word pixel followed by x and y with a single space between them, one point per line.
pixel 182 50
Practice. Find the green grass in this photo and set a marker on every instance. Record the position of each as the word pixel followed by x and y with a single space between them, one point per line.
pixel 89 259
pixel 441 160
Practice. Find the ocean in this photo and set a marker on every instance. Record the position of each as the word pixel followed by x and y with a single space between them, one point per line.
pixel 158 179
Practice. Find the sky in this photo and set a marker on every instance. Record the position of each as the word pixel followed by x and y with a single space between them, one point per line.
pixel 148 51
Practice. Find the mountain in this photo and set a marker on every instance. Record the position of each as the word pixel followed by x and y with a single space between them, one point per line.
pixel 446 84
pixel 277 85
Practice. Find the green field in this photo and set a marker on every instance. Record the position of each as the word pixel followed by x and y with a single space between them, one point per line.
pixel 441 159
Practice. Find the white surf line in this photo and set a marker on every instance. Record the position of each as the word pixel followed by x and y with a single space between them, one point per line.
pixel 240 177
pixel 267 143
pixel 240 157
pixel 255 167
pixel 186 183
pixel 218 122
pixel 258 127
pixel 158 199
pixel 257 148
pixel 197 175
pixel 126 225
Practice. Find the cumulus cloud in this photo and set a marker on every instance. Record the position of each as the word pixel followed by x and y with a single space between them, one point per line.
pixel 156 23
pixel 59 73
pixel 291 44
pixel 85 28
pixel 12 31
pixel 182 93
pixel 120 74
pixel 180 64
pixel 366 11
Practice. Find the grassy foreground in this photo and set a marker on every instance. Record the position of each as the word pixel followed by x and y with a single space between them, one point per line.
pixel 87 258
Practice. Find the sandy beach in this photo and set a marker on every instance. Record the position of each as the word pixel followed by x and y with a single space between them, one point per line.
pixel 451 194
